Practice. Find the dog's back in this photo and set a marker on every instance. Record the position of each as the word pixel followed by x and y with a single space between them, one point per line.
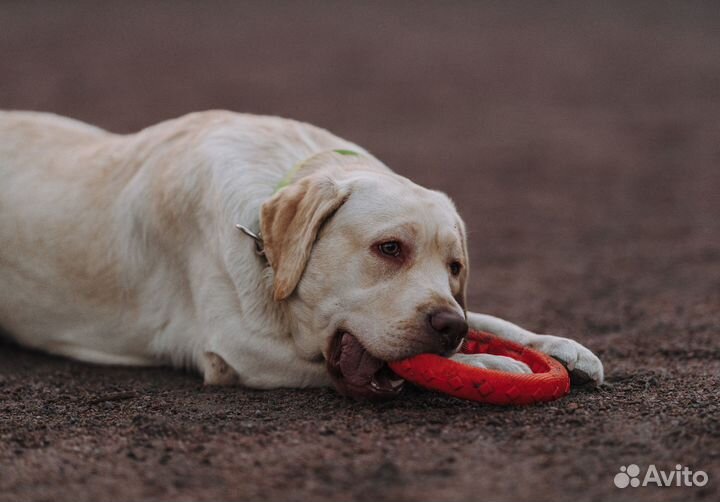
pixel 53 208
pixel 96 229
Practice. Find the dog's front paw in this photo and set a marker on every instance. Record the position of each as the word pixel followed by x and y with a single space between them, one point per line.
pixel 584 366
pixel 492 362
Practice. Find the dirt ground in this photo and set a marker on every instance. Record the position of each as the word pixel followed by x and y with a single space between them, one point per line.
pixel 582 146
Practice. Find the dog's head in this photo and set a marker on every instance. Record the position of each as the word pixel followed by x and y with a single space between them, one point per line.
pixel 372 266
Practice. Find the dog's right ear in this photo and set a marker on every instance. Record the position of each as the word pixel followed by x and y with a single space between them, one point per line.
pixel 290 222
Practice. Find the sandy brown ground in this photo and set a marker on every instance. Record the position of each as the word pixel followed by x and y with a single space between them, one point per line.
pixel 582 145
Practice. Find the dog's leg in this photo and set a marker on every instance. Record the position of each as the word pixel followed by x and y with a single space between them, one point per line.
pixel 217 371
pixel 583 365
pixel 281 368
pixel 492 362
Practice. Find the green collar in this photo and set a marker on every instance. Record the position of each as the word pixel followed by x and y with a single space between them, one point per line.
pixel 287 179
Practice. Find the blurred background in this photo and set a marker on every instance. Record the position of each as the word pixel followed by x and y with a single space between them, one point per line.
pixel 581 143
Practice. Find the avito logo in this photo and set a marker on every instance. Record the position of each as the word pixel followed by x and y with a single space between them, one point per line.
pixel 681 476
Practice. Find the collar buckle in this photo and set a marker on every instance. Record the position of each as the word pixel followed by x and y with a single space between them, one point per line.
pixel 259 245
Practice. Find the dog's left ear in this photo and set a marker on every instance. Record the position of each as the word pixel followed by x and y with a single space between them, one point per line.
pixel 462 295
pixel 290 222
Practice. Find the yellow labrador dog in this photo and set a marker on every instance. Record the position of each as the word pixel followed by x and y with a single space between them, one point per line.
pixel 127 250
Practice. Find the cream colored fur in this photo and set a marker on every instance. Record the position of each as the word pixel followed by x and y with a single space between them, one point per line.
pixel 123 249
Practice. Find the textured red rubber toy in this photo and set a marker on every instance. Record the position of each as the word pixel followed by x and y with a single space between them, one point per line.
pixel 549 380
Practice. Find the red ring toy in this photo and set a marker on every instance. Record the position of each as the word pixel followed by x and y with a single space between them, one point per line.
pixel 549 379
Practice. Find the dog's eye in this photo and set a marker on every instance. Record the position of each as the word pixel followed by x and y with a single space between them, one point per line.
pixel 455 268
pixel 390 248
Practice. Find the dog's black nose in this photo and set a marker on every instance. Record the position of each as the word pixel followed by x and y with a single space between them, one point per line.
pixel 451 327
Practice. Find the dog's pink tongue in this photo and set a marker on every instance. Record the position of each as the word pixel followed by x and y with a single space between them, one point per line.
pixel 356 364
pixel 356 373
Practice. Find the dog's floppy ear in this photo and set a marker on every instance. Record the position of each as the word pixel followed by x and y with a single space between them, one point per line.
pixel 462 295
pixel 290 222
